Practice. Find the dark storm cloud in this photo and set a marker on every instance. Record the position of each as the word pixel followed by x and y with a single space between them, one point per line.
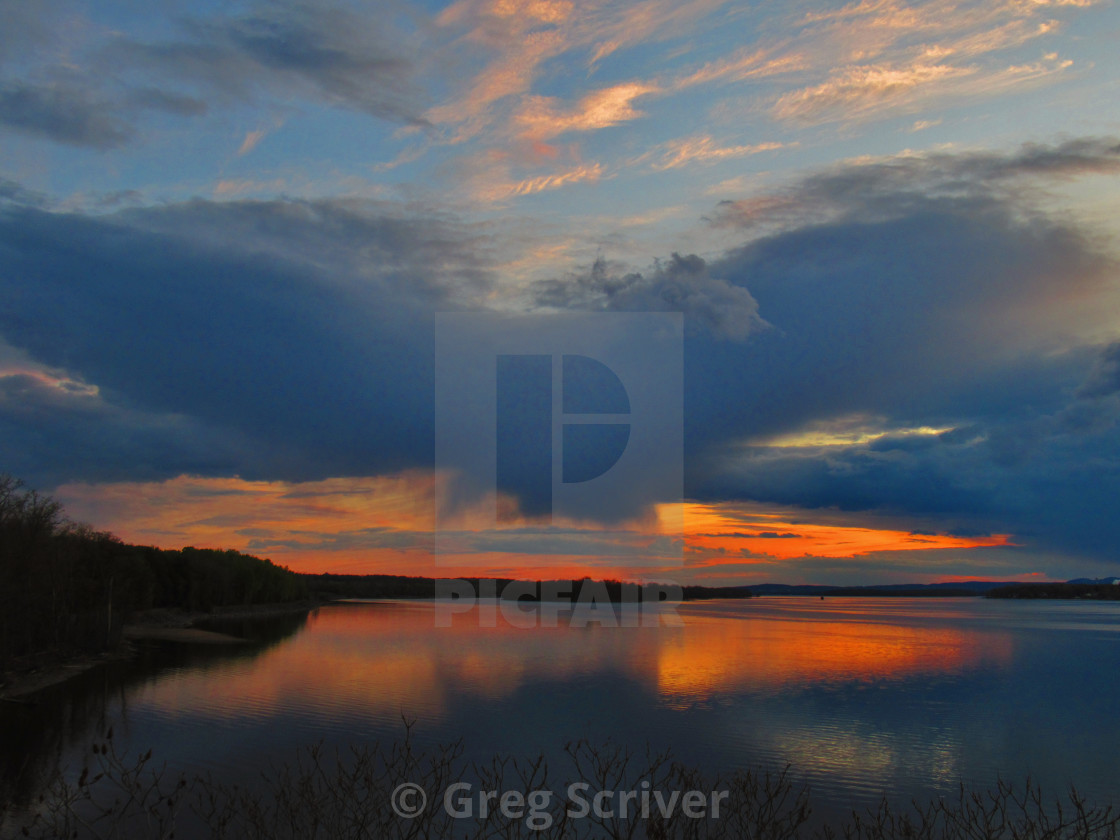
pixel 885 188
pixel 926 318
pixel 1080 156
pixel 912 301
pixel 52 432
pixel 923 292
pixel 1050 484
pixel 17 193
pixel 294 340
pixel 926 238
pixel 299 334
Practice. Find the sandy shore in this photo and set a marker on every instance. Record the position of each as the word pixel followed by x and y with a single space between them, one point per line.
pixel 193 635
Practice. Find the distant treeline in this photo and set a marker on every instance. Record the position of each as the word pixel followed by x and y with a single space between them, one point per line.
pixel 68 586
pixel 897 592
pixel 1093 591
pixel 331 586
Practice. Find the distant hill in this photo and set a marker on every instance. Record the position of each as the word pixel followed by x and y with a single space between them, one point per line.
pixel 1064 591
pixel 1109 580
pixel 705 593
pixel 954 589
pixel 788 589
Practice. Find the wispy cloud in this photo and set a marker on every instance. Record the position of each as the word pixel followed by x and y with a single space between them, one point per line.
pixel 496 184
pixel 747 64
pixel 702 149
pixel 64 111
pixel 861 92
pixel 876 58
pixel 590 172
pixel 235 187
pixel 516 40
pixel 285 49
pixel 858 91
pixel 544 117
pixel 406 156
pixel 94 93
pixel 250 142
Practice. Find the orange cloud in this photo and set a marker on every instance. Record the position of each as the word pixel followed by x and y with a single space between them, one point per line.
pixel 542 117
pixel 861 92
pixel 518 37
pixel 497 184
pixel 384 525
pixel 59 382
pixel 718 533
pixel 590 172
pixel 362 525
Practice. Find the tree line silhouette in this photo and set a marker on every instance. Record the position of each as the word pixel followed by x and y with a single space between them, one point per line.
pixel 65 586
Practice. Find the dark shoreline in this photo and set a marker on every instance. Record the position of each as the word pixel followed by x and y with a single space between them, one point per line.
pixel 48 668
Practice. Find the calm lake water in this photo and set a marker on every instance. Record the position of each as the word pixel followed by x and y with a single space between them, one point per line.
pixel 860 696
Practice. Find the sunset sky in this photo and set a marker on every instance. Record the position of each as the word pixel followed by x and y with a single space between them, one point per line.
pixel 226 229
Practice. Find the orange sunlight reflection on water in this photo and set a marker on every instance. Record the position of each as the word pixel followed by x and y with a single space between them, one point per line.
pixel 377 660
